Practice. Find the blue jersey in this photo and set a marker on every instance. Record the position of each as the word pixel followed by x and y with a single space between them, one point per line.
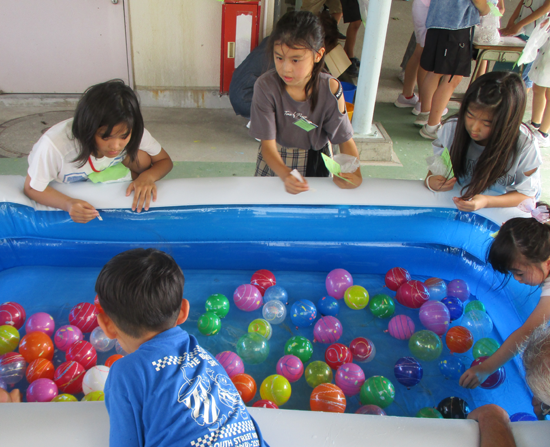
pixel 172 392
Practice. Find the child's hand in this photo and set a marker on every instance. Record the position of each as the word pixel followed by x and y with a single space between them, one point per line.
pixel 144 187
pixel 352 177
pixel 511 30
pixel 13 396
pixel 474 377
pixel 475 203
pixel 81 211
pixel 439 183
pixel 295 186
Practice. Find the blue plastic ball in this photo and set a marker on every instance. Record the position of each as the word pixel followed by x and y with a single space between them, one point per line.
pixel 328 306
pixel 517 417
pixel 276 293
pixel 455 306
pixel 452 367
pixel 408 371
pixel 303 313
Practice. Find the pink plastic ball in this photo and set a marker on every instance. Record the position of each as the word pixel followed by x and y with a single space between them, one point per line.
pixel 40 322
pixel 337 282
pixel 248 298
pixel 495 379
pixel 327 330
pixel 84 353
pixel 350 378
pixel 371 409
pixel 435 316
pixel 401 327
pixel 84 317
pixel 263 280
pixel 12 314
pixel 362 349
pixel 42 390
pixel 66 336
pixel 459 289
pixel 231 362
pixel 396 277
pixel 291 367
pixel 337 354
pixel 412 294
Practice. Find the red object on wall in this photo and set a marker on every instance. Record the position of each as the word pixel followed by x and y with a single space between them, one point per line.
pixel 231 9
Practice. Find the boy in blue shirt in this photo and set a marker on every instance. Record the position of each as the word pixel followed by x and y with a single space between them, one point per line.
pixel 168 390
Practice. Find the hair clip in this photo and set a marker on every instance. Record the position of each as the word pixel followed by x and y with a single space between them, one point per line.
pixel 537 212
pixel 494 235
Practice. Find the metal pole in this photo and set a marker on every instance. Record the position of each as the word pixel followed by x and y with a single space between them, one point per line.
pixel 371 63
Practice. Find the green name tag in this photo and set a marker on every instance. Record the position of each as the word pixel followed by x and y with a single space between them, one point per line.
pixel 305 124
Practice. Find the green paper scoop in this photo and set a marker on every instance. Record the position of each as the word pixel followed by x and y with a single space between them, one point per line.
pixel 334 168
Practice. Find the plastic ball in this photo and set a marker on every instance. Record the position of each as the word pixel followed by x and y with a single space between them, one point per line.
pixel 217 303
pixel 231 362
pixel 209 324
pixel 264 403
pixel 371 409
pixel 39 369
pixel 350 378
pixel 452 367
pixel 435 316
pixel 337 282
pixel 262 327
pixel 494 380
pixel 453 408
pixel 119 349
pixel 12 314
pixel 337 354
pixel 84 353
pixel 290 367
pixel 429 412
pixel 3 385
pixel 437 288
pixel 40 322
pixel 276 293
pixel 382 306
pixel 68 377
pixel 522 417
pixel 42 390
pixel 303 313
pixel 396 277
pixel 412 294
pixel 274 311
pixel 84 317
pixel 425 345
pixel 100 341
pixel 94 379
pixel 12 367
pixel 36 345
pixel 455 306
pixel 112 359
pixel 478 323
pixel 318 372
pixel 401 327
pixel 66 335
pixel 327 330
pixel 276 388
pixel 263 280
pixel 252 348
pixel 247 297
pixel 299 346
pixel 356 297
pixel 377 390
pixel 64 398
pixel 459 339
pixel 9 339
pixel 246 386
pixel 485 347
pixel 362 349
pixel 94 396
pixel 328 306
pixel 329 398
pixel 475 305
pixel 459 289
pixel 408 371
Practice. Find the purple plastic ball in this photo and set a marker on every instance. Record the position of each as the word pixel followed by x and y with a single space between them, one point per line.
pixel 337 282
pixel 231 362
pixel 494 380
pixel 40 322
pixel 435 316
pixel 371 409
pixel 350 378
pixel 459 289
pixel 248 298
pixel 66 336
pixel 401 327
pixel 42 390
pixel 327 330
pixel 290 367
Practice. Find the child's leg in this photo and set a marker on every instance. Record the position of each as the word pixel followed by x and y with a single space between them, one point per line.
pixel 351 37
pixel 441 97
pixel 420 76
pixel 429 87
pixel 411 72
pixel 545 124
pixel 539 103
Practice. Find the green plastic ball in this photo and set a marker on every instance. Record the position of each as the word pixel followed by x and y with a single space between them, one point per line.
pixel 262 327
pixel 425 345
pixel 377 390
pixel 475 305
pixel 318 372
pixel 428 412
pixel 485 347
pixel 356 297
pixel 217 303
pixel 299 346
pixel 209 323
pixel 64 398
pixel 9 339
pixel 382 306
pixel 252 348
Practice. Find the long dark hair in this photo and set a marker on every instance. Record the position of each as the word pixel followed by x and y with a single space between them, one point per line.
pixel 301 29
pixel 520 239
pixel 107 104
pixel 502 93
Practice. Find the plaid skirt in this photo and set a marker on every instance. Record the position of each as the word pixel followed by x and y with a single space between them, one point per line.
pixel 293 158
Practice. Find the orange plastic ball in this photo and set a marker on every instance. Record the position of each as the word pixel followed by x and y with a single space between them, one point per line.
pixel 246 386
pixel 109 362
pixel 459 339
pixel 40 369
pixel 36 345
pixel 327 397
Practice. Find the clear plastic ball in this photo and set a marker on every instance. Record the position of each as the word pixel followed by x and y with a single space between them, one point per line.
pixel 119 349
pixel 100 341
pixel 274 311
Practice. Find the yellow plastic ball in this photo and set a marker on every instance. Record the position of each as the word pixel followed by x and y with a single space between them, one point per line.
pixel 276 388
pixel 356 297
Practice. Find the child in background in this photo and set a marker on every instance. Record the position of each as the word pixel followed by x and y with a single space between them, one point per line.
pixel 521 249
pixel 297 108
pixel 168 390
pixel 489 146
pixel 107 130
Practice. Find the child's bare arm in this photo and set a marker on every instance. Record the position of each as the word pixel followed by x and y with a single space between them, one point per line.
pixel 515 28
pixel 514 15
pixel 482 7
pixel 356 178
pixel 438 183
